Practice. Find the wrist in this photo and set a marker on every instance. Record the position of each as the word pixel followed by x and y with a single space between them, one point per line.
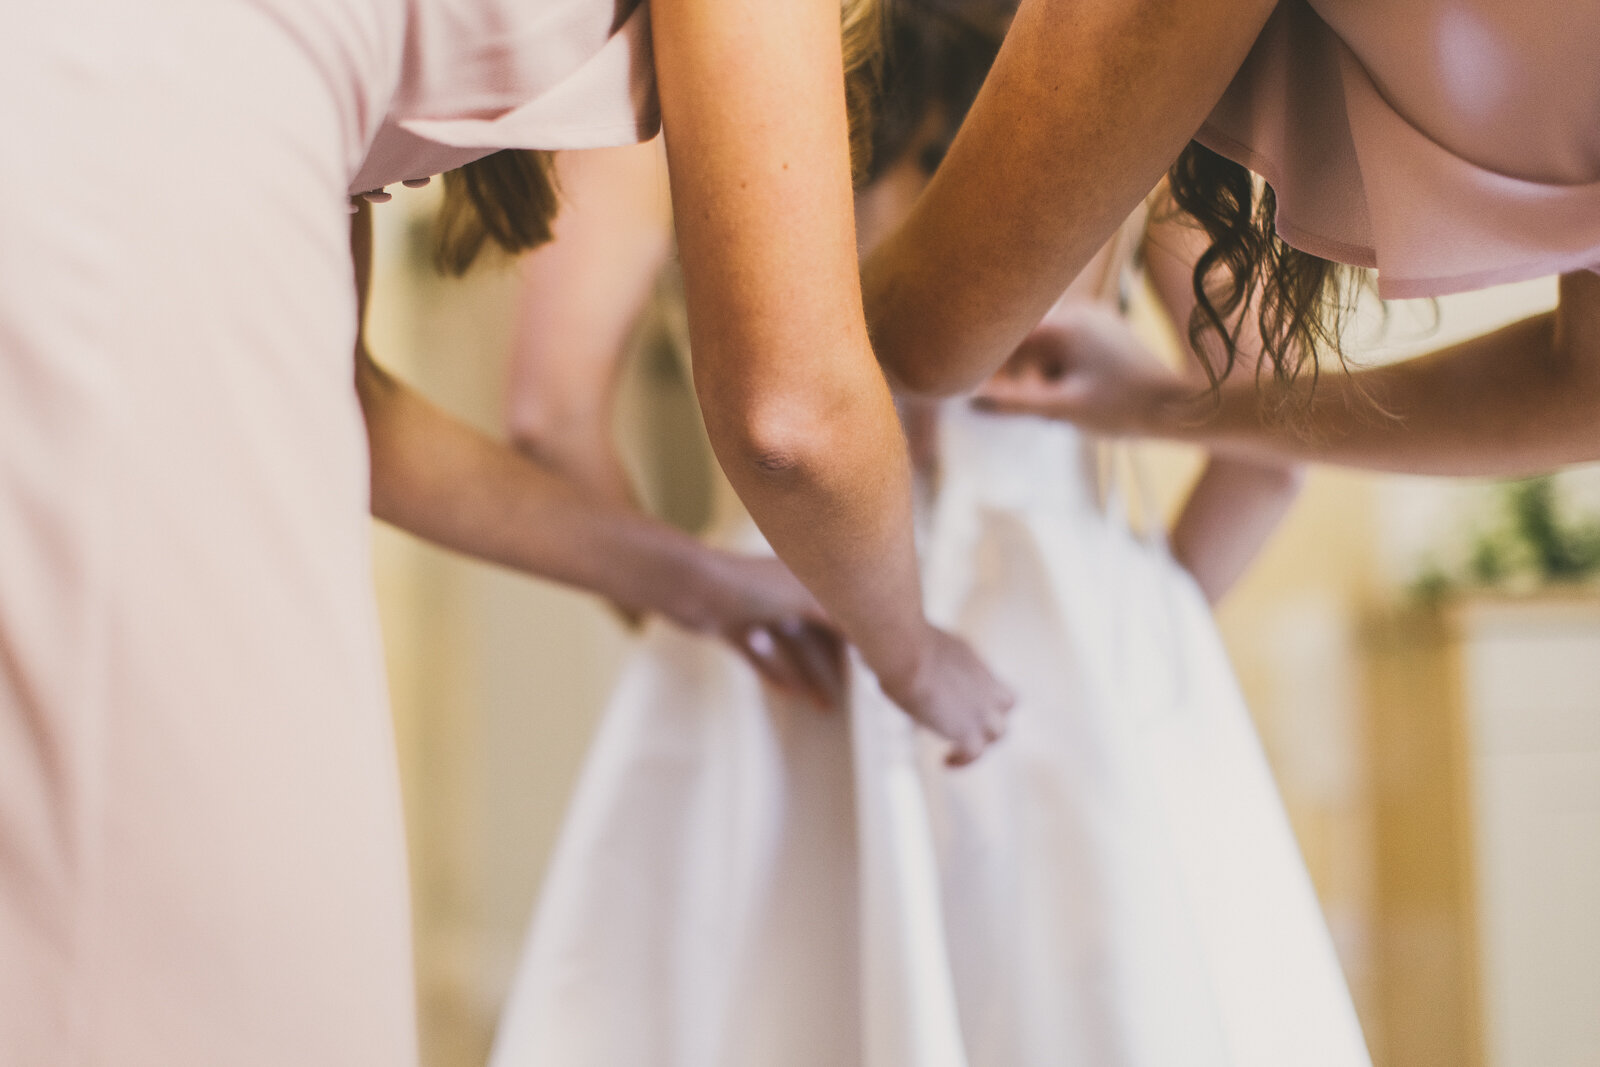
pixel 686 583
pixel 1165 407
pixel 655 569
pixel 903 675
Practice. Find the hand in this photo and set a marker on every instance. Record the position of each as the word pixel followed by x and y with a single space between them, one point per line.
pixel 762 610
pixel 951 692
pixel 1085 364
pixel 796 656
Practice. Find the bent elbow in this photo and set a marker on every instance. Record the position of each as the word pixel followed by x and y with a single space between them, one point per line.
pixel 781 440
pixel 776 441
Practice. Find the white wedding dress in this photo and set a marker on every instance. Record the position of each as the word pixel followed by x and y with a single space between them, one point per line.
pixel 746 882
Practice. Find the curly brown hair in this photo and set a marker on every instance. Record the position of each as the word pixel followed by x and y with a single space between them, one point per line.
pixel 936 56
pixel 1300 301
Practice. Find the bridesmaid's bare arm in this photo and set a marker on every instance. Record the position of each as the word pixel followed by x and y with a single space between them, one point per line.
pixel 1067 362
pixel 579 299
pixel 1231 511
pixel 440 479
pixel 1522 400
pixel 1088 104
pixel 1237 502
pixel 797 410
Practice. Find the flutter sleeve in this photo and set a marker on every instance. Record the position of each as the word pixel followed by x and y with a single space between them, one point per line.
pixel 480 76
pixel 1359 182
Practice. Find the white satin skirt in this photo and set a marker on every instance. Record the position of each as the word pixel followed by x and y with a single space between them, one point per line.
pixel 746 882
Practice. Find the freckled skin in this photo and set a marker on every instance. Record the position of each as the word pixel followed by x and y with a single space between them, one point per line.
pixel 797 409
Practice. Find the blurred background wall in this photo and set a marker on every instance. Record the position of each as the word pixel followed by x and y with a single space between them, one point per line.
pixel 1439 754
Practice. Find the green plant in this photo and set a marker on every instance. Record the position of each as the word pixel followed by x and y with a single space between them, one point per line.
pixel 1532 544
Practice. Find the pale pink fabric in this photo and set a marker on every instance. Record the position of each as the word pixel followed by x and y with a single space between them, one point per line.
pixel 1451 144
pixel 201 851
pixel 474 86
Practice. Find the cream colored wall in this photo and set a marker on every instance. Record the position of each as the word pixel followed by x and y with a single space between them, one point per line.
pixel 496 679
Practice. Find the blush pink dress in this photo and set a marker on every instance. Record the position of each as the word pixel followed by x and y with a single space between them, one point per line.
pixel 201 851
pixel 1451 144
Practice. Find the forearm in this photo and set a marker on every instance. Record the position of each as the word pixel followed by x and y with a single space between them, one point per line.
pixel 796 408
pixel 1510 403
pixel 832 494
pixel 581 295
pixel 435 477
pixel 1232 510
pixel 1087 105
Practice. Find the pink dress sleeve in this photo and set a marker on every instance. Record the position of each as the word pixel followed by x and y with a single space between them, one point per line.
pixel 1451 144
pixel 484 75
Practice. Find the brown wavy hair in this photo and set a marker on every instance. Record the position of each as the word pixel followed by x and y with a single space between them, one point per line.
pixel 511 198
pixel 861 33
pixel 936 56
pixel 1300 301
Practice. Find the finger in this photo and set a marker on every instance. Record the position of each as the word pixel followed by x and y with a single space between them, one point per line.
pixel 814 614
pixel 810 664
pixel 819 654
pixel 1039 349
pixel 786 660
pixel 807 650
pixel 962 756
pixel 1013 406
pixel 1038 397
pixel 837 647
pixel 760 649
pixel 1031 387
pixel 1040 366
pixel 811 686
pixel 966 750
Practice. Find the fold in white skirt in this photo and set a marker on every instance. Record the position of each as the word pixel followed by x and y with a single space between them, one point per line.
pixel 745 882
